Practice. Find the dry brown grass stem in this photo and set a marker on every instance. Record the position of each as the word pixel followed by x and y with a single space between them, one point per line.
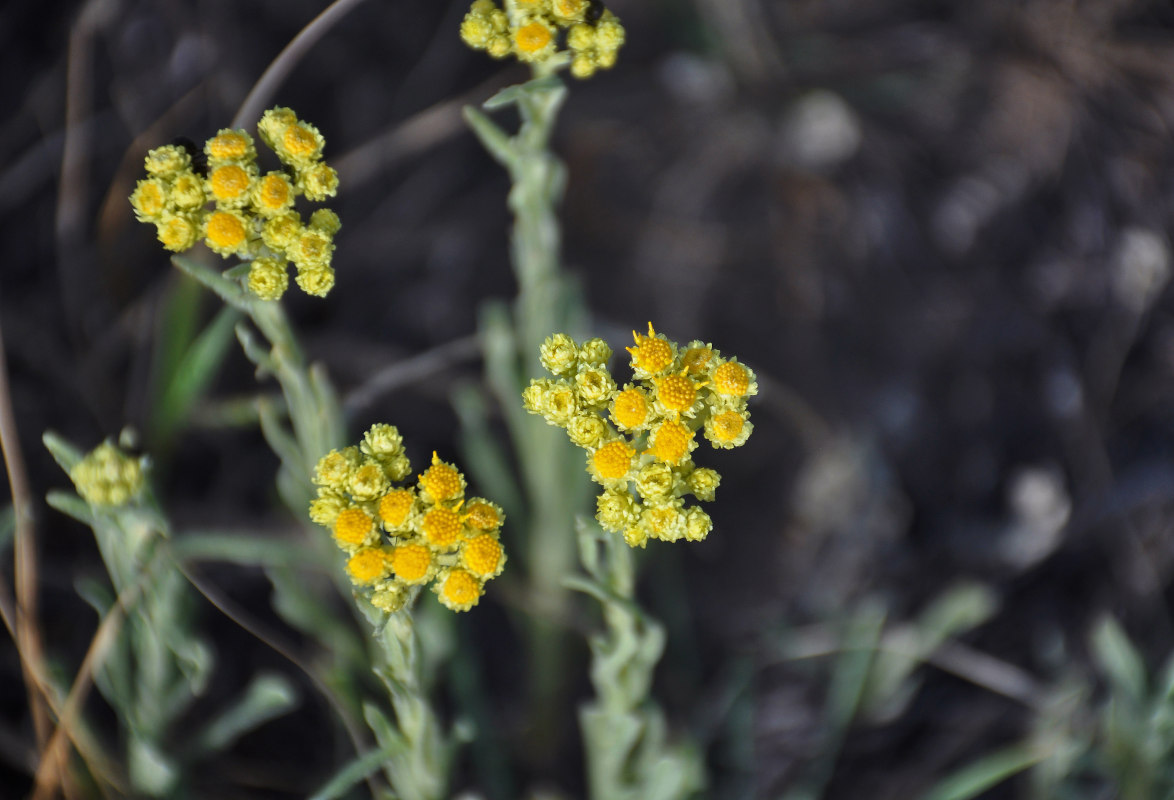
pixel 287 59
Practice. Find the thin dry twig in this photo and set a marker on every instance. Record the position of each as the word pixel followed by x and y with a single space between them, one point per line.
pixel 410 370
pixel 229 609
pixel 288 58
pixel 24 616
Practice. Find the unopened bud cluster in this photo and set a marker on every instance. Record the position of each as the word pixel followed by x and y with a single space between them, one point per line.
pixel 639 437
pixel 580 32
pixel 400 536
pixel 106 476
pixel 220 196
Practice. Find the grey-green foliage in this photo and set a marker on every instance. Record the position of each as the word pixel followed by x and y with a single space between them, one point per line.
pixel 629 756
pixel 551 488
pixel 157 665
pixel 414 750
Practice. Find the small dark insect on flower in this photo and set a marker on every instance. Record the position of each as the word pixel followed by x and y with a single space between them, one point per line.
pixel 199 159
pixel 595 9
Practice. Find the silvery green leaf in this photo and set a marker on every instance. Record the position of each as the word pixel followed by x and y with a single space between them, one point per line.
pixel 71 505
pixel 1118 659
pixel 269 695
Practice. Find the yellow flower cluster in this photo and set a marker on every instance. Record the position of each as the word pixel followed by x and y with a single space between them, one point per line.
pixel 221 196
pixel 531 30
pixel 639 437
pixel 397 537
pixel 106 476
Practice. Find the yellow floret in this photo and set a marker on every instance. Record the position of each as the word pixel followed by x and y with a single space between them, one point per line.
pixel 367 566
pixel 178 232
pixel 696 359
pixel 230 145
pixel 313 248
pixel 367 482
pixel 727 426
pixel 483 515
pixel 325 220
pixel 107 477
pixel 268 278
pixel 395 506
pixel 273 194
pixel 273 124
pixel 460 590
pixel 559 354
pixel 353 527
pixel 149 199
pixel 630 408
pixel 281 231
pixel 676 393
pixel 476 30
pixel 567 11
pixel 482 555
pixel 652 353
pixel 225 232
pixel 412 562
pixel 316 281
pixel 613 460
pixel 319 182
pixel 534 41
pixel 583 66
pixel 333 469
pixel 187 191
pixel 732 379
pixel 166 161
pixel 230 184
pixel 441 481
pixel 441 527
pixel 671 442
pixel 301 143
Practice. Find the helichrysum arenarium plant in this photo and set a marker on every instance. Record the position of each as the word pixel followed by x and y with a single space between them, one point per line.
pixel 640 437
pixel 219 196
pixel 157 665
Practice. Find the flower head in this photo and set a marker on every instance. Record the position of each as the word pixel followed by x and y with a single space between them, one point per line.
pixel 397 537
pixel 640 438
pixel 106 476
pixel 237 211
pixel 549 34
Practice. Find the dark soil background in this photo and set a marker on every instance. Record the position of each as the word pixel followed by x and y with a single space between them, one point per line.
pixel 938 231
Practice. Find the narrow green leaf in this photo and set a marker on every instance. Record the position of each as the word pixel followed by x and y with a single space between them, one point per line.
pixel 71 505
pixel 269 695
pixel 991 770
pixel 193 374
pixel 492 137
pixel 245 548
pixel 357 770
pixel 228 290
pixel 64 453
pixel 1118 659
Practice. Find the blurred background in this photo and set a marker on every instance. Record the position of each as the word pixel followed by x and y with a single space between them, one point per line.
pixel 938 231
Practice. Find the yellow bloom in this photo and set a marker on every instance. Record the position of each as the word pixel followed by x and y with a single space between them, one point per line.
pixel 703 483
pixel 230 185
pixel 167 161
pixel 353 527
pixel 441 528
pixel 616 509
pixel 664 520
pixel 300 144
pixel 187 191
pixel 612 462
pixel 595 352
pixel 312 249
pixel 230 145
pixel 367 482
pixel 394 508
pixel 149 199
pixel 178 232
pixel 273 194
pixel 559 355
pixel 671 442
pixel 459 590
pixel 281 231
pixel 442 482
pixel 534 41
pixel 652 355
pixel 412 562
pixel 324 509
pixel 226 233
pixel 655 480
pixel 734 380
pixel 368 565
pixel 728 429
pixel 268 278
pixel 482 556
pixel 676 394
pixel 629 409
pixel 697 524
pixel 317 281
pixel 483 515
pixel 334 468
pixel 318 182
pixel 326 221
pixel 273 124
pixel 588 431
pixel 697 358
pixel 594 386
